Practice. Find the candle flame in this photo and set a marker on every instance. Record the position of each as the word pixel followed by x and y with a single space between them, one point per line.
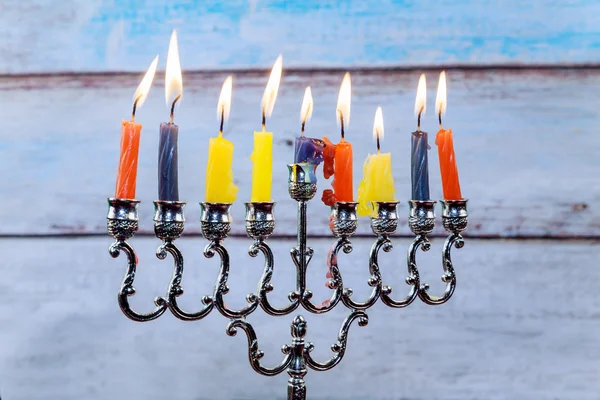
pixel 420 101
pixel 378 124
pixel 344 99
pixel 440 99
pixel 268 100
pixel 224 105
pixel 141 93
pixel 173 80
pixel 307 106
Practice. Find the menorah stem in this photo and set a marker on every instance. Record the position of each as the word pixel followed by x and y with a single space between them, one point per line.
pixel 302 208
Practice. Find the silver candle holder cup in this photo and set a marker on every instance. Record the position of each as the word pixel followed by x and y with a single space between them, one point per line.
pixel 260 220
pixel 384 220
pixel 302 182
pixel 168 219
pixel 343 220
pixel 421 218
pixel 454 215
pixel 122 220
pixel 215 220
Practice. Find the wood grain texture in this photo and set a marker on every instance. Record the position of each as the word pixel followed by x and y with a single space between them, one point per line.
pixel 83 35
pixel 521 325
pixel 526 145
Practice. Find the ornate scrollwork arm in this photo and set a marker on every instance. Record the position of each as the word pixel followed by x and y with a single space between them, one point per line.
pixel 449 276
pixel 335 282
pixel 221 287
pixel 455 219
pixel 374 281
pixel 265 286
pixel 175 289
pixel 254 353
pixel 340 346
pixel 127 288
pixel 413 275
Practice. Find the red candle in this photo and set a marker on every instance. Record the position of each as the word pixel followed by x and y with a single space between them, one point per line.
pixel 338 158
pixel 130 140
pixel 445 144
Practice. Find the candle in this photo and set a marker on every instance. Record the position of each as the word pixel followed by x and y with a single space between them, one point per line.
pixel 338 158
pixel 219 168
pixel 130 140
pixel 168 186
pixel 419 146
pixel 262 154
pixel 443 139
pixel 307 150
pixel 377 183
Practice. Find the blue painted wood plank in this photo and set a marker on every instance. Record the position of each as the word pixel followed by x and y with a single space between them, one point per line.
pixel 527 151
pixel 81 35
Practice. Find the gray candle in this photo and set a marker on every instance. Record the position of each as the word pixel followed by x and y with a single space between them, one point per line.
pixel 419 166
pixel 168 185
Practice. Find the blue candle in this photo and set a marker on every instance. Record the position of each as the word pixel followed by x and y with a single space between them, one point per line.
pixel 168 185
pixel 308 150
pixel 419 166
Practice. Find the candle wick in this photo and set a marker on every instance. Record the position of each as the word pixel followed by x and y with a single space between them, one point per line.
pixel 222 119
pixel 378 144
pixel 135 107
pixel 419 119
pixel 341 123
pixel 303 125
pixel 173 107
pixel 440 118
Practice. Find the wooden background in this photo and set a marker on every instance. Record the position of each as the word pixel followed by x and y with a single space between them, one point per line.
pixel 523 106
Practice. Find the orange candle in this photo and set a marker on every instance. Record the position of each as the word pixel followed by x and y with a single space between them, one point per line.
pixel 128 161
pixel 448 169
pixel 445 144
pixel 130 140
pixel 338 158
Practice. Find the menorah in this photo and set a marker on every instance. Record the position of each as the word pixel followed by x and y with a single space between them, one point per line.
pixel 215 221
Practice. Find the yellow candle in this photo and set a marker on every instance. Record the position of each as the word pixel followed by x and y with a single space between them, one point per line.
pixel 262 169
pixel 219 171
pixel 377 183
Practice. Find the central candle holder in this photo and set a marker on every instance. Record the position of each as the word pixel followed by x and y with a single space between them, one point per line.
pixel 215 219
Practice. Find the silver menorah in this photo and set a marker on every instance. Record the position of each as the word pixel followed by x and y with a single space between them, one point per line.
pixel 215 219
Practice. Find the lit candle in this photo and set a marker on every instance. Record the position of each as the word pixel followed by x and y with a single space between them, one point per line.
pixel 338 158
pixel 377 183
pixel 262 154
pixel 130 140
pixel 307 150
pixel 168 186
pixel 219 168
pixel 419 163
pixel 443 139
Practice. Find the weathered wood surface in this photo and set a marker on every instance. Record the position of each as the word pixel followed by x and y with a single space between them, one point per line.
pixel 521 325
pixel 82 35
pixel 526 143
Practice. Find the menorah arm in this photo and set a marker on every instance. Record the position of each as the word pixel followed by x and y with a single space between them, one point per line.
pixel 449 277
pixel 383 242
pixel 254 353
pixel 335 282
pixel 221 287
pixel 412 279
pixel 265 286
pixel 175 289
pixel 127 288
pixel 340 346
